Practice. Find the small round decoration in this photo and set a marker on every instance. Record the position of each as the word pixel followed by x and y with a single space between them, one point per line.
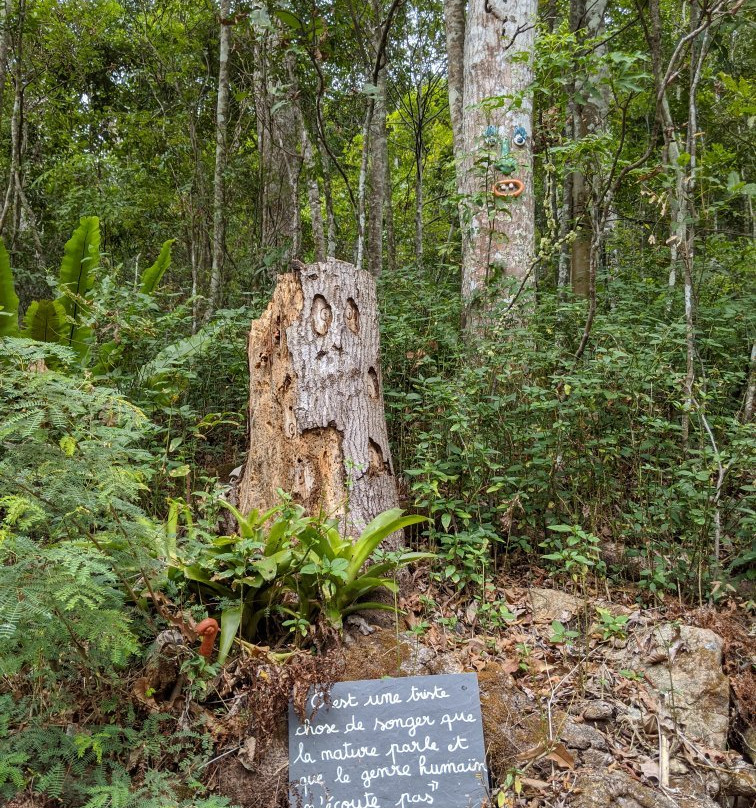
pixel 520 136
pixel 508 187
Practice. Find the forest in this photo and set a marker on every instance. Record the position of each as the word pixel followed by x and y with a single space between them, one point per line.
pixel 347 340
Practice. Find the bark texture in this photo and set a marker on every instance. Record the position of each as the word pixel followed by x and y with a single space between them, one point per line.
pixel 503 238
pixel 589 118
pixel 278 136
pixel 316 421
pixel 454 19
pixel 221 155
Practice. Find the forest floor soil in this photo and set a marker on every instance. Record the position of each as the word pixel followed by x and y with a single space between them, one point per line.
pixel 637 707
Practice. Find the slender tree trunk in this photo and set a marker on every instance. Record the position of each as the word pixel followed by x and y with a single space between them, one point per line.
pixel 565 215
pixel 419 199
pixel 278 138
pixel 5 39
pixel 750 397
pixel 221 159
pixel 313 196
pixel 499 233
pixel 388 216
pixel 454 19
pixel 672 148
pixel 589 117
pixel 697 54
pixel 362 187
pixel 330 217
pixel 308 160
pixel 378 160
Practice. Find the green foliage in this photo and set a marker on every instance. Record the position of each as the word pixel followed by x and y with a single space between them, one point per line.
pixel 499 445
pixel 81 257
pixel 8 296
pixel 573 551
pixel 612 625
pixel 560 634
pixel 285 565
pixel 45 321
pixel 152 275
pixel 71 528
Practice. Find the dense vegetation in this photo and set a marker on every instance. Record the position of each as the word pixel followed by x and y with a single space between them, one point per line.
pixel 605 434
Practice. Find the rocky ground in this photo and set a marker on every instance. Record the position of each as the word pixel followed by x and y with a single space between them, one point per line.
pixel 587 702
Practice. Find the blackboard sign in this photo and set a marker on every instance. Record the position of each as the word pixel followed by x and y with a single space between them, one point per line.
pixel 415 742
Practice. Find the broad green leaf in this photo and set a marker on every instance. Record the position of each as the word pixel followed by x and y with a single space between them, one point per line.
pixel 383 567
pixel 80 257
pixel 230 622
pixel 152 275
pixel 382 526
pixel 267 568
pixel 359 607
pixel 44 321
pixel 289 19
pixel 8 297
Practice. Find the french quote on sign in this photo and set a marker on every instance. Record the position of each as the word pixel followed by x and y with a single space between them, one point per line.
pixel 390 743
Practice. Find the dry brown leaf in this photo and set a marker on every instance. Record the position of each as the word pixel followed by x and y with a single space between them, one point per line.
pixel 532 753
pixel 561 757
pixel 141 686
pixel 247 753
pixel 510 665
pixel 540 785
pixel 650 769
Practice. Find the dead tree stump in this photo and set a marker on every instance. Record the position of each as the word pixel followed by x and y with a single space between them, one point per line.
pixel 317 427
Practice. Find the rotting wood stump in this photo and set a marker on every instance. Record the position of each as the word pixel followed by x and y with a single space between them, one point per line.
pixel 317 427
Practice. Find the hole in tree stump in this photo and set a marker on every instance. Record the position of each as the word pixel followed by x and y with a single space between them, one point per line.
pixel 376 461
pixel 321 315
pixel 374 388
pixel 352 315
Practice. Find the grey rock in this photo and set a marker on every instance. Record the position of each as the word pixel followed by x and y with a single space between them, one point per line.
pixel 551 604
pixel 598 711
pixel 581 736
pixel 683 665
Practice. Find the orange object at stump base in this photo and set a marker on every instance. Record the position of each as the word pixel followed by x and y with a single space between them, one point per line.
pixel 508 187
pixel 207 629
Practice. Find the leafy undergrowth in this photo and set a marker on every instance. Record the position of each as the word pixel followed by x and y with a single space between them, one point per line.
pixel 162 732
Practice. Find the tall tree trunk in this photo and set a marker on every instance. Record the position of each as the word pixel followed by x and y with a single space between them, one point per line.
pixel 697 54
pixel 499 233
pixel 378 160
pixel 362 184
pixel 454 19
pixel 330 217
pixel 419 198
pixel 5 39
pixel 316 412
pixel 672 147
pixel 221 159
pixel 388 215
pixel 587 21
pixel 278 141
pixel 313 196
pixel 750 396
pixel 308 161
